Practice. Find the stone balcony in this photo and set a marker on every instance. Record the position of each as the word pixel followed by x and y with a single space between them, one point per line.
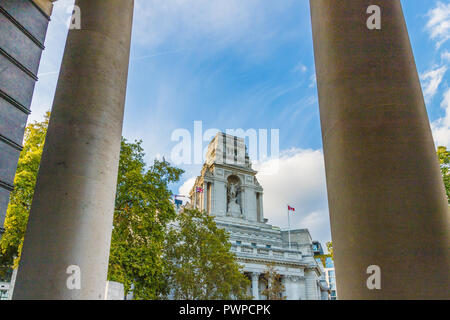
pixel 249 251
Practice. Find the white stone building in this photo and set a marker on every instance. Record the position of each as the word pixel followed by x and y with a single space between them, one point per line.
pixel 233 195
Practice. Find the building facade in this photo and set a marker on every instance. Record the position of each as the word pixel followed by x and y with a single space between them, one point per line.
pixel 23 27
pixel 228 189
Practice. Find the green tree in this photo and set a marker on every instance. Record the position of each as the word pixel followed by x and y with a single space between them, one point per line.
pixel 142 211
pixel 444 161
pixel 274 286
pixel 22 196
pixel 330 249
pixel 201 265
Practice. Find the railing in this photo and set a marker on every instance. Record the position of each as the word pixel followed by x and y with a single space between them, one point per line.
pixel 287 254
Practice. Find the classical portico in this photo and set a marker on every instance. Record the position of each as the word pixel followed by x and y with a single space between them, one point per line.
pixel 233 195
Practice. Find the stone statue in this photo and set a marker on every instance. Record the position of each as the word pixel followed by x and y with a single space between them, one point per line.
pixel 234 209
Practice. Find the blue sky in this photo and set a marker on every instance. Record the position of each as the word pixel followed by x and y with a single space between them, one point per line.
pixel 246 64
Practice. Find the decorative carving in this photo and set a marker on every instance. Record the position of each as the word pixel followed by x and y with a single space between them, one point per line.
pixel 233 192
pixel 247 250
pixel 293 278
pixel 263 251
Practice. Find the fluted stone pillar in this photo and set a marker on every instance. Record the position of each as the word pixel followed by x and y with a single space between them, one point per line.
pixel 205 197
pixel 255 285
pixel 66 248
pixel 385 191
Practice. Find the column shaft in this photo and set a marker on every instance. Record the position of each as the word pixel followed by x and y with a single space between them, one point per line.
pixel 205 197
pixel 385 191
pixel 70 223
pixel 255 286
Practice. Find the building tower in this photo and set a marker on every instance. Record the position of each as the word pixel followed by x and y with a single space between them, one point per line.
pixel 230 188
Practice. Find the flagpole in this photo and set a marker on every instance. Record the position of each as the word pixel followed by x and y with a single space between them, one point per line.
pixel 289 227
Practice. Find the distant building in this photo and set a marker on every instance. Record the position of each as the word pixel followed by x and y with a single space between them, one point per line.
pixel 7 284
pixel 228 189
pixel 325 260
pixel 4 290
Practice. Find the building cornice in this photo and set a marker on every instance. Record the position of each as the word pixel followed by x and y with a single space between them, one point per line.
pixel 267 260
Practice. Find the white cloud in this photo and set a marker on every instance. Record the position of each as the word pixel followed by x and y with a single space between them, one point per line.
pixel 431 81
pixel 313 80
pixel 300 182
pixel 441 127
pixel 439 23
pixel 300 67
pixel 445 56
pixel 186 186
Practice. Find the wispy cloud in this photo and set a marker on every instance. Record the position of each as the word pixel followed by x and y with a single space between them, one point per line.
pixel 312 80
pixel 300 67
pixel 438 26
pixel 439 23
pixel 431 81
pixel 441 127
pixel 445 56
pixel 162 23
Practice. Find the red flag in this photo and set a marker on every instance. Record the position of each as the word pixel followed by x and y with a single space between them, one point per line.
pixel 290 208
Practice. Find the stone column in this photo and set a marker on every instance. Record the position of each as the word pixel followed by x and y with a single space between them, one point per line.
pixel 261 207
pixel 385 191
pixel 205 196
pixel 255 285
pixel 302 288
pixel 284 283
pixel 66 248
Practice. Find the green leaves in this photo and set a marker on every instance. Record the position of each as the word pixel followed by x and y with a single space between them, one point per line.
pixel 330 249
pixel 274 286
pixel 201 265
pixel 142 211
pixel 444 161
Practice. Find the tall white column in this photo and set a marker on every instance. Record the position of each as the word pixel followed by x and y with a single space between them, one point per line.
pixel 66 248
pixel 205 196
pixel 255 285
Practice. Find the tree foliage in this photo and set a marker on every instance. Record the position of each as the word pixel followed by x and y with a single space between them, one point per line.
pixel 142 212
pixel 274 286
pixel 444 161
pixel 201 265
pixel 22 196
pixel 330 249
